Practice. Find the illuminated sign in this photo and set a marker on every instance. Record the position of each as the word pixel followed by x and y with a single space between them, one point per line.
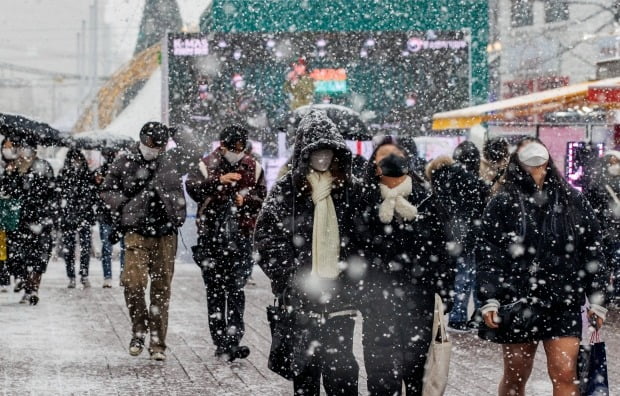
pixel 190 46
pixel 329 81
pixel 415 44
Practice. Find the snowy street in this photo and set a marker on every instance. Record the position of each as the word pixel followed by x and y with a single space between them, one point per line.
pixel 75 342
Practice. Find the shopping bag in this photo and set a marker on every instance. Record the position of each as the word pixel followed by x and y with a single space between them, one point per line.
pixel 592 366
pixel 437 364
pixel 3 247
pixel 282 325
pixel 10 210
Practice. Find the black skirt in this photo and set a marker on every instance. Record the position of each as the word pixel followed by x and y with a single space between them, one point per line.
pixel 522 323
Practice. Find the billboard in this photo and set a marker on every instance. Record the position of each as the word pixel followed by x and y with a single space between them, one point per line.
pixel 393 78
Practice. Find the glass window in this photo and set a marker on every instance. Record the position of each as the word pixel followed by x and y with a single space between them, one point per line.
pixel 556 10
pixel 522 13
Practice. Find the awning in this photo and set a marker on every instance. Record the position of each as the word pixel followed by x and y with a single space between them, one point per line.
pixel 604 92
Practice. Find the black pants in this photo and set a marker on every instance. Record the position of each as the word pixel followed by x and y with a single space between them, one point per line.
pixel 68 251
pixel 32 254
pixel 10 267
pixel 325 349
pixel 396 338
pixel 224 278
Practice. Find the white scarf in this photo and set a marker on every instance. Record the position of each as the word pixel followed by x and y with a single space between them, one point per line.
pixel 325 234
pixel 395 199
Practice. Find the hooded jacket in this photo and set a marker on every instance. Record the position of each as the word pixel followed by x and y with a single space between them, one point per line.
pixel 283 236
pixel 544 245
pixel 77 196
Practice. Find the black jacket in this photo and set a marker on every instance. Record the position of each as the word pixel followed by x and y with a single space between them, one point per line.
pixel 607 211
pixel 463 196
pixel 77 198
pixel 544 245
pixel 283 235
pixel 410 256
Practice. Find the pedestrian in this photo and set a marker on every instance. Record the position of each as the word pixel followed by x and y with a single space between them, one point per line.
pixel 494 161
pixel 603 193
pixel 303 239
pixel 144 190
pixel 541 257
pixel 229 187
pixel 77 197
pixel 104 217
pixel 405 240
pixel 7 265
pixel 30 180
pixel 462 195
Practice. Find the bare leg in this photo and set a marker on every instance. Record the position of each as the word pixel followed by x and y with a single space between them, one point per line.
pixel 518 363
pixel 562 365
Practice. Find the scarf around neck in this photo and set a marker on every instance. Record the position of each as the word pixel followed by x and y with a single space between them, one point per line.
pixel 325 234
pixel 395 200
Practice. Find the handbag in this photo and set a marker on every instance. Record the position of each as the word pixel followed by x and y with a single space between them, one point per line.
pixel 437 364
pixel 282 325
pixel 592 367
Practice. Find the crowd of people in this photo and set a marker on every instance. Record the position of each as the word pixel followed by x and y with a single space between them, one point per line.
pixel 501 228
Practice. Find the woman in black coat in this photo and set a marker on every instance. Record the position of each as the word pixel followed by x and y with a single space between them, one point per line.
pixel 404 236
pixel 541 257
pixel 306 262
pixel 77 201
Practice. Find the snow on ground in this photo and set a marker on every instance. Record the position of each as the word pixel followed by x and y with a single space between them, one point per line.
pixel 75 342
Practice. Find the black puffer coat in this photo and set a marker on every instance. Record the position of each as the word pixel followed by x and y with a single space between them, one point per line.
pixel 409 257
pixel 541 244
pixel 283 236
pixel 77 195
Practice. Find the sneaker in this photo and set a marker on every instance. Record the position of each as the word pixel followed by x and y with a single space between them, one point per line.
pixel 107 283
pixel 19 285
pixel 473 325
pixel 71 284
pixel 158 356
pixel 239 352
pixel 136 346
pixel 34 299
pixel 458 327
pixel 120 280
pixel 220 351
pixel 25 299
pixel 85 283
pixel 4 289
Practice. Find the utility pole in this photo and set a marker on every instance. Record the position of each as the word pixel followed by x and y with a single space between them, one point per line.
pixel 94 88
pixel 83 63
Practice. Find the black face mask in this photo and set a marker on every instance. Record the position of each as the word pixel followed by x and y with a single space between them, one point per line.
pixel 394 166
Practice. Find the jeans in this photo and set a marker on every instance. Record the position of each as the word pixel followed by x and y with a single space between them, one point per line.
pixel 106 249
pixel 68 241
pixel 464 285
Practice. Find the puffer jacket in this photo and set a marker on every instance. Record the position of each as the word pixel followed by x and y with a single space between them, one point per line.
pixel 543 245
pixel 131 179
pixel 283 236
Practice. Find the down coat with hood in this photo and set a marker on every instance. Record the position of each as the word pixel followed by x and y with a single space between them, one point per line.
pixel 283 236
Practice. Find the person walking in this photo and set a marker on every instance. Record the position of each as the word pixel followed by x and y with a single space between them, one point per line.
pixel 144 190
pixel 229 187
pixel 303 238
pixel 104 217
pixel 30 181
pixel 541 257
pixel 405 241
pixel 495 155
pixel 77 197
pixel 7 264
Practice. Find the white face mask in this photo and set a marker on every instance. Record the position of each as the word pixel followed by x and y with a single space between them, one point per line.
pixel 321 160
pixel 614 169
pixel 25 152
pixel 233 158
pixel 533 154
pixel 149 153
pixel 9 153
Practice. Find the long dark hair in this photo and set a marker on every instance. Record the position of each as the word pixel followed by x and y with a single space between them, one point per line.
pixel 516 177
pixel 75 155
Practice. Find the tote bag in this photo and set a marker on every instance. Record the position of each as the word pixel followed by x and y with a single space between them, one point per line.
pixel 437 364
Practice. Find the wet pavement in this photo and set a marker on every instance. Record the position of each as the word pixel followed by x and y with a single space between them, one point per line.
pixel 75 342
